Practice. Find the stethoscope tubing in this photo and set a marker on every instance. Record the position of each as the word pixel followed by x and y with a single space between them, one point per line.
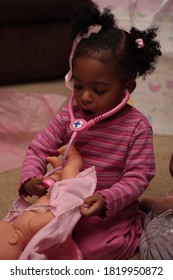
pixel 84 125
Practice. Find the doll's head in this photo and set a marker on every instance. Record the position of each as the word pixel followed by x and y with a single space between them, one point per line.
pixel 10 242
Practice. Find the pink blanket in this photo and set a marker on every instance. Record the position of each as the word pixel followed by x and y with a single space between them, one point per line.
pixel 23 116
pixel 66 197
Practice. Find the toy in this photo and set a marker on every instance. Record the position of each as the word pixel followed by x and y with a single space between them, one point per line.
pixel 157 238
pixel 15 235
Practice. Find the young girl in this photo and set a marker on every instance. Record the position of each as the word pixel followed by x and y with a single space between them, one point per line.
pixel 105 62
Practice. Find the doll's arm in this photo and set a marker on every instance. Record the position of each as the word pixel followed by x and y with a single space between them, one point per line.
pixel 73 166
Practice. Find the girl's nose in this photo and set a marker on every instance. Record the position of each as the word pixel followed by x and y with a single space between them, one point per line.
pixel 86 97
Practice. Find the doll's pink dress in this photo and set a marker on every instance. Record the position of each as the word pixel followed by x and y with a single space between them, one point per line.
pixel 66 197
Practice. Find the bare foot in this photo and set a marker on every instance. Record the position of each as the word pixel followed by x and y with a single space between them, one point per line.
pixel 54 161
pixel 73 156
pixel 157 205
pixel 63 149
pixel 74 162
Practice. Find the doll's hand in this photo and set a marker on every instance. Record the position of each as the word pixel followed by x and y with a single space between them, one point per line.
pixel 35 187
pixel 94 205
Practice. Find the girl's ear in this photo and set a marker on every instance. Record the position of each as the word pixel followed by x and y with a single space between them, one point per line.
pixel 131 85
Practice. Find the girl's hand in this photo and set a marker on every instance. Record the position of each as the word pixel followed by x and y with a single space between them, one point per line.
pixel 35 187
pixel 94 205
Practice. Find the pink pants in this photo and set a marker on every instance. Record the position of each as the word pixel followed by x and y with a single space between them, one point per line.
pixel 111 238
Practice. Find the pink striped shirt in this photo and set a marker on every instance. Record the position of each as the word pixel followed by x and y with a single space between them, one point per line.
pixel 121 150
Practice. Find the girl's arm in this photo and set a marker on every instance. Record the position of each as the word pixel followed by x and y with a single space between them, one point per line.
pixel 43 145
pixel 138 171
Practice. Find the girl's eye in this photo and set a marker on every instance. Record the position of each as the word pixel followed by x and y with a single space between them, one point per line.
pixel 77 87
pixel 99 91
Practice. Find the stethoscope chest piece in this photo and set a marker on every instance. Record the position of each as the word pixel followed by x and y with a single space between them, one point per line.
pixel 79 125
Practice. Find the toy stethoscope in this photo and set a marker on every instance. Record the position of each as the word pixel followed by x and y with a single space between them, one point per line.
pixel 81 125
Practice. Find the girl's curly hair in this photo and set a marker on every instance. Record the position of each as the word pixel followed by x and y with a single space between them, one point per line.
pixel 89 14
pixel 115 45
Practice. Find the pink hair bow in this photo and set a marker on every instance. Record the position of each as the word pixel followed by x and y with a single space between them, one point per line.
pixel 91 29
pixel 140 43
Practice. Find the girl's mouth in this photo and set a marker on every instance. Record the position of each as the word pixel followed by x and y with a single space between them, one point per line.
pixel 88 114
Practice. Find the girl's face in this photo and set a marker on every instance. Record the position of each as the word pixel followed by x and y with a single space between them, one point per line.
pixel 97 88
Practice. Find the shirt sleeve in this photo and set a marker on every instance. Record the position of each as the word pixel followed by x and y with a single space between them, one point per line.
pixel 138 172
pixel 43 145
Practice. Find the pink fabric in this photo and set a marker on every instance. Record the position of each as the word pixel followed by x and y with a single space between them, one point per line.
pixel 67 250
pixel 22 116
pixel 91 29
pixel 65 199
pixel 111 238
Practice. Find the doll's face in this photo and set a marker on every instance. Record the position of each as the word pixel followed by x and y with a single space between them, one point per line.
pixel 10 245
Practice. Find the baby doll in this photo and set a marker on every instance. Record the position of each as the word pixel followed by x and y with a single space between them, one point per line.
pixel 16 235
